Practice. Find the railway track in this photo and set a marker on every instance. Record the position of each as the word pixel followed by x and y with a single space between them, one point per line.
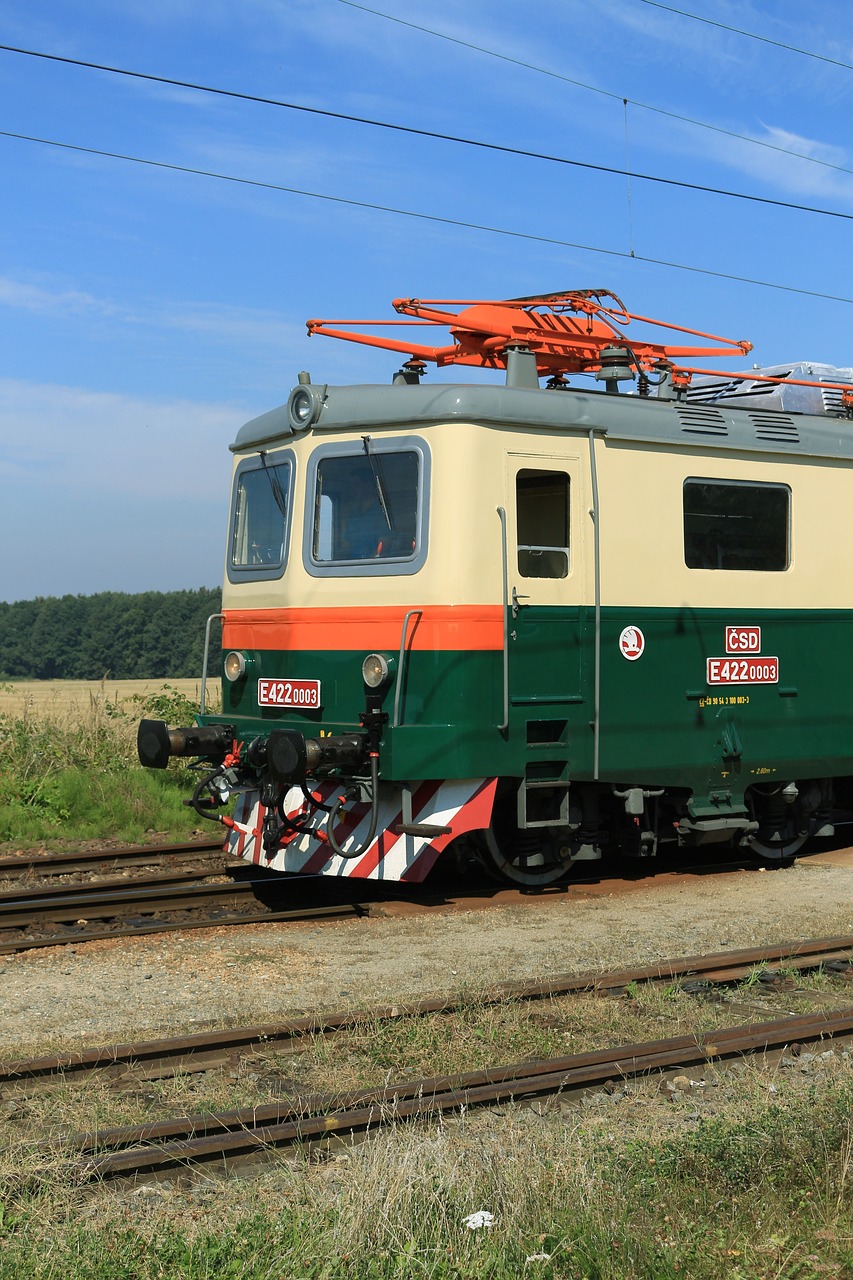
pixel 205 1050
pixel 141 1151
pixel 99 907
pixel 44 865
pixel 74 913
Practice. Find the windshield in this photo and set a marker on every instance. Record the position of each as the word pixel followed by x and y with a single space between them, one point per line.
pixel 366 507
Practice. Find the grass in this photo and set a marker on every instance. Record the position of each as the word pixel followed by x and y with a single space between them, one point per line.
pixel 762 1191
pixel 69 769
pixel 749 1179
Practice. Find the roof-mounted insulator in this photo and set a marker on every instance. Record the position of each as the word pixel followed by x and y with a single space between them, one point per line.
pixel 409 374
pixel 615 368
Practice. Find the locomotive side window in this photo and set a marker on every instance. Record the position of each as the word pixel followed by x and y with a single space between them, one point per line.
pixel 542 507
pixel 259 525
pixel 736 524
pixel 368 509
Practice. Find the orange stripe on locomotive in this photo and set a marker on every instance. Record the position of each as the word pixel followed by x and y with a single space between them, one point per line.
pixel 434 628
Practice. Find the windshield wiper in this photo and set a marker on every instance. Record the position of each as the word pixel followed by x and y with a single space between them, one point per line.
pixel 377 479
pixel 280 500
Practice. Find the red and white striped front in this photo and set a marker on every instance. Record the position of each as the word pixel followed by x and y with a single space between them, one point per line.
pixel 461 806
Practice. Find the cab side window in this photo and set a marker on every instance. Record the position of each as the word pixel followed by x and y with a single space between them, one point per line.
pixel 542 514
pixel 737 524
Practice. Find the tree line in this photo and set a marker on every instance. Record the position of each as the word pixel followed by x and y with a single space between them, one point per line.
pixel 112 635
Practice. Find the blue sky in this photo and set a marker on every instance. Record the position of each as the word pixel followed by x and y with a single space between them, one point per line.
pixel 145 314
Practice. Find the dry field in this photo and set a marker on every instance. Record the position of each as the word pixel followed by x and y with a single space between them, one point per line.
pixel 71 701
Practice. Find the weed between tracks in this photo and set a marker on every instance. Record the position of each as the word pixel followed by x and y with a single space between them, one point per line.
pixel 742 1171
pixel 70 769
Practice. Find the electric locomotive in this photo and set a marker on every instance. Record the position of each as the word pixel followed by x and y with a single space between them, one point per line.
pixel 530 620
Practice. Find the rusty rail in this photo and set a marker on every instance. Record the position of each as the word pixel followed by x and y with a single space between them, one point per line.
pixel 143 1150
pixel 155 1059
pixel 15 867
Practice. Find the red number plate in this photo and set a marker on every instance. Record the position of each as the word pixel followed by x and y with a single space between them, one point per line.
pixel 289 693
pixel 742 671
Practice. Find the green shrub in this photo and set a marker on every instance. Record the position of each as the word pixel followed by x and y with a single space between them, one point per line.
pixel 82 780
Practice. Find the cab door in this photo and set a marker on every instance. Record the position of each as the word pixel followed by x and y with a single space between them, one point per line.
pixel 547 519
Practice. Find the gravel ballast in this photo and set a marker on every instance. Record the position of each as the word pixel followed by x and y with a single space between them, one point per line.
pixel 102 992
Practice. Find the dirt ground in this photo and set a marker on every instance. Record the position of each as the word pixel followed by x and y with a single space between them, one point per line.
pixel 104 992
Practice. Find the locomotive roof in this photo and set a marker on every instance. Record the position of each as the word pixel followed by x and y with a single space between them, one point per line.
pixel 405 407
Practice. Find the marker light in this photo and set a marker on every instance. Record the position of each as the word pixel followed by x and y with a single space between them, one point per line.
pixel 235 665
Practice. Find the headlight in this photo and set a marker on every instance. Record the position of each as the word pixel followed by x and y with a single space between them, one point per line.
pixel 375 671
pixel 304 406
pixel 235 665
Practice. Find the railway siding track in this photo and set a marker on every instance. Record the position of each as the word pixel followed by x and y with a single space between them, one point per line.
pixel 36 866
pixel 21 906
pixel 145 1150
pixel 137 906
pixel 201 1051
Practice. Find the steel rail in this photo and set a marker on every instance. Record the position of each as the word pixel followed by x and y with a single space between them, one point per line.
pixel 173 893
pixel 170 926
pixel 115 900
pixel 69 905
pixel 154 1059
pixel 54 864
pixel 96 892
pixel 250 1131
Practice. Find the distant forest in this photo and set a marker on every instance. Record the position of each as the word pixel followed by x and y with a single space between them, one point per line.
pixel 111 635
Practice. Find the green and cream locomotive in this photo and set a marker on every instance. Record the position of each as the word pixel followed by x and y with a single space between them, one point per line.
pixel 544 620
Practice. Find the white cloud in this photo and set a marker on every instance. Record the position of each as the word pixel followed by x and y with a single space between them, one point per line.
pixel 223 323
pixel 30 297
pixel 61 441
pixel 792 175
pixel 231 324
pixel 110 492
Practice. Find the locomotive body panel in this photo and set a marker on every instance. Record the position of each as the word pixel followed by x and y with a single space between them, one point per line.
pixel 448 620
pixel 657 709
pixel 787 718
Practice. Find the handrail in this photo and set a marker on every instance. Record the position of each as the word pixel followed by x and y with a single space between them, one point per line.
pixel 398 692
pixel 596 542
pixel 203 695
pixel 505 572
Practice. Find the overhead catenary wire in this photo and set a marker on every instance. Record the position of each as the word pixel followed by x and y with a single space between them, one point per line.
pixel 609 93
pixel 457 139
pixel 750 35
pixel 425 217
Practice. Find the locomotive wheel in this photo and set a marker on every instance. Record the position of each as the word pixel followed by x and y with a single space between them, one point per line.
pixel 778 853
pixel 518 869
pixel 532 858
